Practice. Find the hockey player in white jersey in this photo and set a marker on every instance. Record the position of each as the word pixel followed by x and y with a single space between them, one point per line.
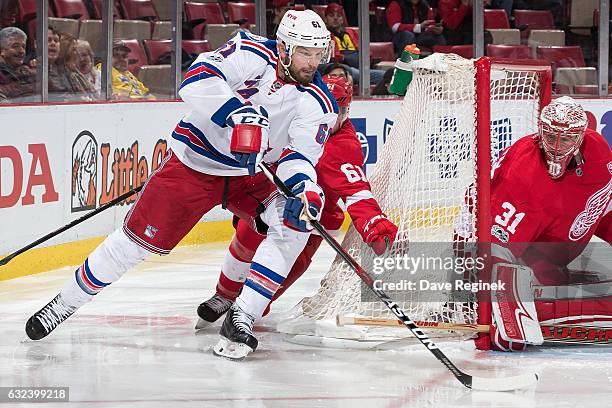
pixel 252 99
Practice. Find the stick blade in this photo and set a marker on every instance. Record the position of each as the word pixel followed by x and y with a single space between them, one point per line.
pixel 504 384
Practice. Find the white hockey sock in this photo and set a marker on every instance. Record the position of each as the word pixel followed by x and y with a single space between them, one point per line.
pixel 258 290
pixel 106 264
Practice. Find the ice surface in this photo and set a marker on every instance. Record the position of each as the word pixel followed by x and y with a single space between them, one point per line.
pixel 135 346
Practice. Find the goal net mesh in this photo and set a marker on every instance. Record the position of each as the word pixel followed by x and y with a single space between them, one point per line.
pixel 426 169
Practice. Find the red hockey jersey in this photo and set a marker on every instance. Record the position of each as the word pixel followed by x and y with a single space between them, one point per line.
pixel 530 209
pixel 340 174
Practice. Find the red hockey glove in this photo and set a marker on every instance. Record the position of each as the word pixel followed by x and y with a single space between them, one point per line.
pixel 379 233
pixel 250 135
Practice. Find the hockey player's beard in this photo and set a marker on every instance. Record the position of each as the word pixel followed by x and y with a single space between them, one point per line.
pixel 302 76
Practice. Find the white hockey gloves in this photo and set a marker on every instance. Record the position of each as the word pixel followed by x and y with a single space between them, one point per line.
pixel 250 135
pixel 306 205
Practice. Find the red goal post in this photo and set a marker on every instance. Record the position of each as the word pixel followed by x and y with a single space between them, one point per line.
pixel 484 66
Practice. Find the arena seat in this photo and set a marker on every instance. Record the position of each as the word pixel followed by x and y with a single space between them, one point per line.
pixel 495 18
pixel 546 37
pixel 200 14
pixel 139 10
pixel 157 48
pixel 164 9
pixel 91 31
pixel 162 30
pixel 573 76
pixel 27 10
pixel 505 36
pixel 140 30
pixel 383 51
pixel 561 56
pixel 137 57
pixel 241 13
pixel 218 34
pixel 158 78
pixel 210 11
pixel 508 51
pixel 528 20
pixel 586 89
pixel 97 7
pixel 195 46
pixel 71 9
pixel 64 25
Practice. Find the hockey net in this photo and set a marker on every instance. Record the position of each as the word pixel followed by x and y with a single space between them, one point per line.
pixel 456 117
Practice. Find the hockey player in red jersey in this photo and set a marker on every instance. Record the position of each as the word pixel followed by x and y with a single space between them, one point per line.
pixel 340 175
pixel 550 194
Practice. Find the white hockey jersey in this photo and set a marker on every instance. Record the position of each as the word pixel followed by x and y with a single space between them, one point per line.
pixel 244 71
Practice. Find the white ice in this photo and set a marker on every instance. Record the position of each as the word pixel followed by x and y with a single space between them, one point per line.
pixel 134 346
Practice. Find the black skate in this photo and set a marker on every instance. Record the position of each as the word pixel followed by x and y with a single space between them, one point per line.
pixel 48 318
pixel 211 310
pixel 237 339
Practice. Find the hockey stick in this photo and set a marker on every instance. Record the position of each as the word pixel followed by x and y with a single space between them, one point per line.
pixel 476 383
pixel 58 231
pixel 552 333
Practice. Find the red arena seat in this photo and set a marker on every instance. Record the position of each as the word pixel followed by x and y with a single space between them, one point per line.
pixel 509 51
pixel 495 18
pixel 71 9
pixel 561 56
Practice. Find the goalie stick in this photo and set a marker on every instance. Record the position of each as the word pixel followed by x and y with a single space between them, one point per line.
pixel 476 383
pixel 58 231
pixel 552 333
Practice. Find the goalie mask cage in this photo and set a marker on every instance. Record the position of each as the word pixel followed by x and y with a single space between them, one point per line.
pixel 456 117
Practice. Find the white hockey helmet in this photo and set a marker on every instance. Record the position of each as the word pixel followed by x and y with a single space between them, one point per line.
pixel 303 29
pixel 561 131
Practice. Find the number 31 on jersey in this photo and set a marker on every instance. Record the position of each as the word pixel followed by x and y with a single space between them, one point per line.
pixel 509 218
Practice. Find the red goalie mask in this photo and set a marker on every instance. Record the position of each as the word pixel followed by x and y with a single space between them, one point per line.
pixel 561 131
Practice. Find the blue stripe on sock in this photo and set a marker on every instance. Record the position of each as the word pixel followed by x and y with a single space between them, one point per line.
pixel 268 273
pixel 259 289
pixel 81 284
pixel 91 277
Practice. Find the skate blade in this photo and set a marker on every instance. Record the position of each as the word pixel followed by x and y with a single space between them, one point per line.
pixel 231 350
pixel 202 324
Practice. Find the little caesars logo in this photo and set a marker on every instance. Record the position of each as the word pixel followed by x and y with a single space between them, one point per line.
pixel 119 170
pixel 84 172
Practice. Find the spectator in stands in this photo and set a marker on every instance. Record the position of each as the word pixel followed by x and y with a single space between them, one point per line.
pixel 382 88
pixel 346 43
pixel 337 69
pixel 86 66
pixel 66 83
pixel 457 18
pixel 413 22
pixel 16 79
pixel 8 13
pixel 125 84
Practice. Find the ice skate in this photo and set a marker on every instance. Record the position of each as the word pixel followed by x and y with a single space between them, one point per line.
pixel 48 318
pixel 211 310
pixel 237 339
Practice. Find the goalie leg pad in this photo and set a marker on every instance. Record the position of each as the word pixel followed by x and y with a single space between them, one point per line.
pixel 514 314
